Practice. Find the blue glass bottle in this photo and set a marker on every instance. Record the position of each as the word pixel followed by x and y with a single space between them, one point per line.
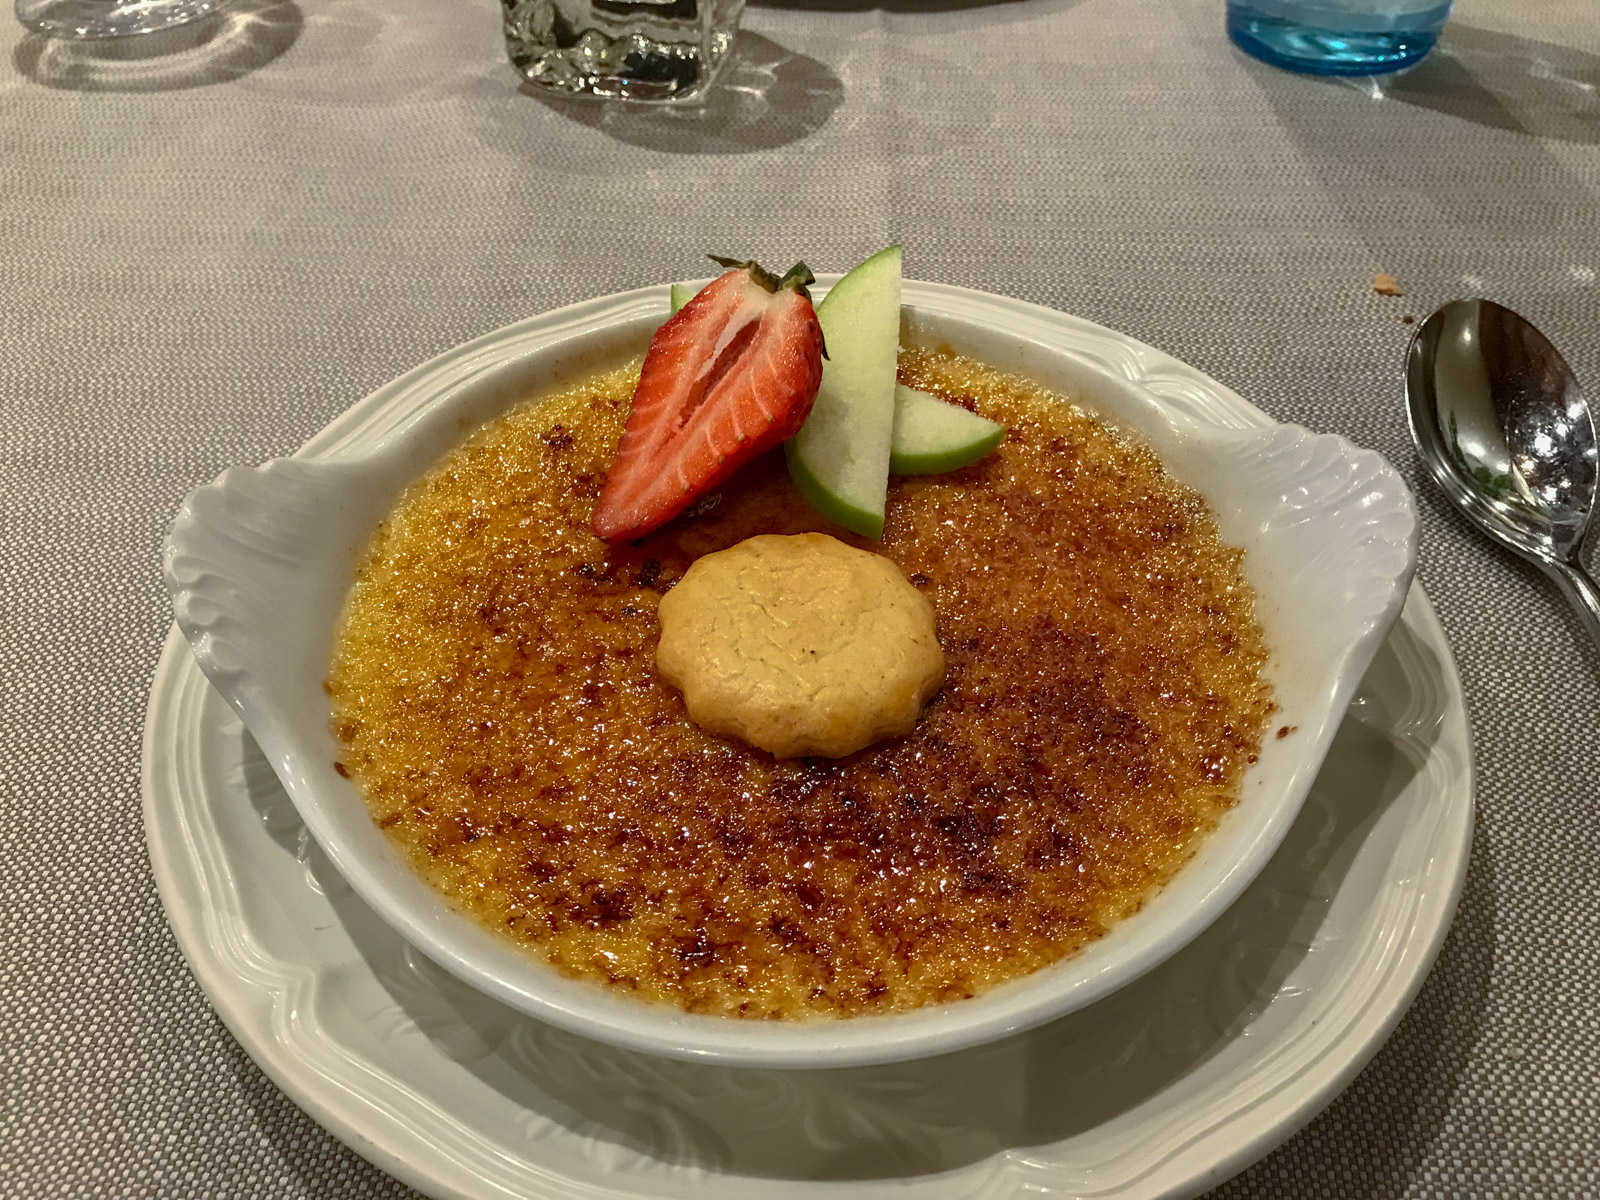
pixel 1337 37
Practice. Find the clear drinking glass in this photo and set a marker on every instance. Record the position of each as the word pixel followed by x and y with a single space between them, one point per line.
pixel 109 18
pixel 1337 37
pixel 659 50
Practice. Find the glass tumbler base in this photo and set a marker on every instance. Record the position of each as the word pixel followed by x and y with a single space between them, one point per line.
pixel 87 20
pixel 1317 51
pixel 656 51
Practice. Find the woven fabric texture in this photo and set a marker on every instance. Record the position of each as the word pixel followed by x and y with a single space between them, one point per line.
pixel 212 245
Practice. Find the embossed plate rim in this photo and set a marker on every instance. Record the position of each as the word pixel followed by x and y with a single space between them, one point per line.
pixel 270 1006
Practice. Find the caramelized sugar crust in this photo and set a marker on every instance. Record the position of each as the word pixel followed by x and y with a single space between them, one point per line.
pixel 494 691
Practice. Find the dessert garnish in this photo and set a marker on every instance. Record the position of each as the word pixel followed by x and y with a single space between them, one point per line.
pixel 799 645
pixel 729 376
pixel 932 436
pixel 864 426
pixel 840 458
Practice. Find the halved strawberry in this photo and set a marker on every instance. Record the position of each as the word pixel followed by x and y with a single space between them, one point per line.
pixel 732 375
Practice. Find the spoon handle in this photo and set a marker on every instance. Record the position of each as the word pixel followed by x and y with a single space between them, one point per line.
pixel 1580 588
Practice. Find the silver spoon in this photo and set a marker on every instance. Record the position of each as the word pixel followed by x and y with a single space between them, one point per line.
pixel 1499 418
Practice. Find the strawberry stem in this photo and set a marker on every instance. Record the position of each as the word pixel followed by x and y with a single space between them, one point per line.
pixel 757 272
pixel 799 277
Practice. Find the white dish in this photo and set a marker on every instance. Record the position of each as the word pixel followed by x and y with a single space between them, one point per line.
pixel 259 563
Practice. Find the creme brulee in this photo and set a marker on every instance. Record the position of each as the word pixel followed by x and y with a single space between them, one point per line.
pixel 494 690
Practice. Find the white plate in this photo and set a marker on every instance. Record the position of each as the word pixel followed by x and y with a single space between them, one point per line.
pixel 260 562
pixel 1165 1088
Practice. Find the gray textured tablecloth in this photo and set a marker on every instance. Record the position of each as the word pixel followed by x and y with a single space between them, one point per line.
pixel 210 246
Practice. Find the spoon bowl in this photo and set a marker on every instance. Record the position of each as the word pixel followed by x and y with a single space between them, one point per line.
pixel 1500 420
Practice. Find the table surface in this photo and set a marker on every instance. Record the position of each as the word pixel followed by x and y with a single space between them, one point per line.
pixel 211 246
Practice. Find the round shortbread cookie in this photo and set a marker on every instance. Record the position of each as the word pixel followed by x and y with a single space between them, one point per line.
pixel 799 645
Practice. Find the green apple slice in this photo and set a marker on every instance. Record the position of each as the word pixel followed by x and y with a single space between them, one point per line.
pixel 840 458
pixel 932 436
pixel 682 293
